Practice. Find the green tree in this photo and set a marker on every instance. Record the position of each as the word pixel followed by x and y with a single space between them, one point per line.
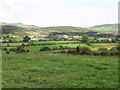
pixel 78 48
pixel 85 38
pixel 114 40
pixel 26 39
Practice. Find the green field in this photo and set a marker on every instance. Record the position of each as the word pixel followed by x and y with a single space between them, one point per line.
pixel 57 42
pixel 37 48
pixel 40 42
pixel 103 45
pixel 46 69
pixel 13 44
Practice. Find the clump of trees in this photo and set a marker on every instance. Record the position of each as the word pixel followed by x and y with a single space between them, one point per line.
pixel 45 48
pixel 100 51
pixel 85 38
pixel 103 51
pixel 85 50
pixel 19 49
pixel 26 38
pixel 7 52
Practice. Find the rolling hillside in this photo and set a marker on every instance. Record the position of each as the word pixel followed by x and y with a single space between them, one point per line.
pixel 6 28
pixel 19 29
pixel 106 28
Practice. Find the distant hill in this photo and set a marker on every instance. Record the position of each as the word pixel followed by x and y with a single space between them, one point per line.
pixel 6 28
pixel 20 29
pixel 106 25
pixel 105 28
pixel 18 24
pixel 64 29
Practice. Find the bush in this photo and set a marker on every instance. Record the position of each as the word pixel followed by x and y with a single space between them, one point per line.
pixel 4 41
pixel 63 51
pixel 89 44
pixel 55 48
pixel 96 53
pixel 8 45
pixel 26 39
pixel 10 41
pixel 5 49
pixel 84 50
pixel 45 49
pixel 78 49
pixel 27 50
pixel 13 49
pixel 71 51
pixel 118 47
pixel 61 47
pixel 85 38
pixel 7 52
pixel 114 51
pixel 23 44
pixel 103 51
pixel 31 44
pixel 20 48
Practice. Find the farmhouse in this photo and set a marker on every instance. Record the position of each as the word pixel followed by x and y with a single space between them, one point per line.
pixel 44 39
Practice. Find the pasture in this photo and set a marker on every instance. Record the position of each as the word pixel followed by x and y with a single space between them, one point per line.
pixel 37 48
pixel 46 69
pixel 40 42
pixel 104 45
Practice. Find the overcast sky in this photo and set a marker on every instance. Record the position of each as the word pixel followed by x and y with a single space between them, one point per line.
pixel 82 13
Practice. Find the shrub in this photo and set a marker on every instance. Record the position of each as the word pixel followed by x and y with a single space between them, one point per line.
pixel 71 51
pixel 61 47
pixel 31 44
pixel 114 40
pixel 5 49
pixel 84 50
pixel 13 49
pixel 26 39
pixel 103 51
pixel 114 51
pixel 4 41
pixel 78 49
pixel 55 48
pixel 89 44
pixel 23 44
pixel 27 50
pixel 85 38
pixel 10 41
pixel 63 51
pixel 20 48
pixel 45 49
pixel 118 47
pixel 96 53
pixel 7 52
pixel 8 45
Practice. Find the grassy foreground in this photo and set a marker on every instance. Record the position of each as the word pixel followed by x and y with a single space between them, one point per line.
pixel 48 70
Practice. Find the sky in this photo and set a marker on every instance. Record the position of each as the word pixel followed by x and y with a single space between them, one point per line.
pixel 44 13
